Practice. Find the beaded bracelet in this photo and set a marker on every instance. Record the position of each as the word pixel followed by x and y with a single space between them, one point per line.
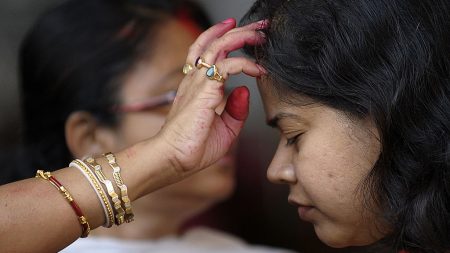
pixel 120 213
pixel 129 216
pixel 93 181
pixel 81 218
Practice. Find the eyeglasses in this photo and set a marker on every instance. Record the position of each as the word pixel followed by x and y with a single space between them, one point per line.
pixel 150 103
pixel 147 104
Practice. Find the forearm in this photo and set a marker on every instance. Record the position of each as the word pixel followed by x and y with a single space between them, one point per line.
pixel 35 216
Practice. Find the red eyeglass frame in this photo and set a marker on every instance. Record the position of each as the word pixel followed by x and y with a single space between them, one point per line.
pixel 147 104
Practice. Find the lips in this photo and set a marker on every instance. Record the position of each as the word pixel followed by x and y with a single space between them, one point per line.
pixel 304 210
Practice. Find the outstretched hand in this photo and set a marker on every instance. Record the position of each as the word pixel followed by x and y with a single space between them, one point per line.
pixel 196 134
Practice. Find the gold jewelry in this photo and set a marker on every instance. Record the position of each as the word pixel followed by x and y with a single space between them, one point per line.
pixel 120 213
pixel 200 62
pixel 213 74
pixel 104 201
pixel 85 228
pixel 186 68
pixel 129 216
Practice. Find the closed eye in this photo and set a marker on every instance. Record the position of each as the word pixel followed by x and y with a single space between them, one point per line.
pixel 293 140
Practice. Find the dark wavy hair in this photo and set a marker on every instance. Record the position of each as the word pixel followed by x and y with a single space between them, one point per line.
pixel 74 58
pixel 387 60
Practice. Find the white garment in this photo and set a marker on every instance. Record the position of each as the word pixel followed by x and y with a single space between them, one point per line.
pixel 197 240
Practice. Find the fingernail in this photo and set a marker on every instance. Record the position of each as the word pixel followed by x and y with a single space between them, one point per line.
pixel 263 23
pixel 228 21
pixel 238 103
pixel 261 33
pixel 262 69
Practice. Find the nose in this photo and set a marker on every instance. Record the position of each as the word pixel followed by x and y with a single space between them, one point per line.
pixel 281 169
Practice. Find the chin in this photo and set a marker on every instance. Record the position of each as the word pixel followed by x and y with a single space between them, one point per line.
pixel 333 242
pixel 226 189
pixel 332 237
pixel 217 182
pixel 217 189
pixel 341 239
pixel 208 194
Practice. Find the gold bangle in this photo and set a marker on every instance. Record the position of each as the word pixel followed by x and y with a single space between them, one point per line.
pixel 106 204
pixel 129 216
pixel 85 228
pixel 120 213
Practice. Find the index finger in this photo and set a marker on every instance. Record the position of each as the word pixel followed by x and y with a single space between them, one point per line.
pixel 215 32
pixel 207 37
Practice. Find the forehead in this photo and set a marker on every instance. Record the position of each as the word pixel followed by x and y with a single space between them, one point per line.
pixel 160 70
pixel 276 99
pixel 171 45
pixel 304 110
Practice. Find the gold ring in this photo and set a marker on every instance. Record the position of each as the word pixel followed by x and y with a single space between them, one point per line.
pixel 186 68
pixel 200 62
pixel 213 74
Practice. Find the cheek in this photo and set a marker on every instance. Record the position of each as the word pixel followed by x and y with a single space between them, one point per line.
pixel 322 167
pixel 139 126
pixel 330 167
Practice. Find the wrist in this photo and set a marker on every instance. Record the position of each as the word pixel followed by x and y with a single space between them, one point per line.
pixel 148 167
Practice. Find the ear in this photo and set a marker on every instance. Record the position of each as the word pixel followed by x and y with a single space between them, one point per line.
pixel 84 136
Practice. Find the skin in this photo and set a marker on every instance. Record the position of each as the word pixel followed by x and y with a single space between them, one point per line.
pixel 165 211
pixel 193 138
pixel 324 167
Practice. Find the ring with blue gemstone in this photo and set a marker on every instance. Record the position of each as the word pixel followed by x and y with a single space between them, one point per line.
pixel 213 74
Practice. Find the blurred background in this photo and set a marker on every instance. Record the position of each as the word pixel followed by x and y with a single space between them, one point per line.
pixel 258 211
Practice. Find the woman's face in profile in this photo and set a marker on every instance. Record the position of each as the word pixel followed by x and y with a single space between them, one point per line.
pixel 324 156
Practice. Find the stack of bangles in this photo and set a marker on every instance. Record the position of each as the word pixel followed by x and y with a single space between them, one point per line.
pixel 116 207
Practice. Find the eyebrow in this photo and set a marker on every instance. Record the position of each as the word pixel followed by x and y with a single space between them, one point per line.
pixel 273 122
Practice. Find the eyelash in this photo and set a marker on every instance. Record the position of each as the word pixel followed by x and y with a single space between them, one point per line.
pixel 293 140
